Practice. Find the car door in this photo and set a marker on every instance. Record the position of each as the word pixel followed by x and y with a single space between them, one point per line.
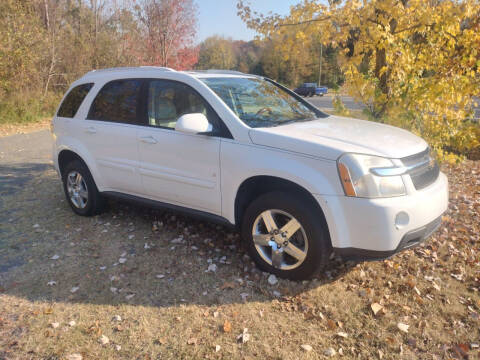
pixel 110 134
pixel 175 167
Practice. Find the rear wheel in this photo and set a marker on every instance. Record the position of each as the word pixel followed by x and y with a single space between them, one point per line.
pixel 286 235
pixel 80 189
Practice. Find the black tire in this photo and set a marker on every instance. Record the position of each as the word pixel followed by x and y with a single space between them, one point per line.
pixel 95 202
pixel 308 215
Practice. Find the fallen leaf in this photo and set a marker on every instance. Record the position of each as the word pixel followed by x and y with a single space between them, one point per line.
pixel 160 341
pixel 192 341
pixel 331 324
pixel 342 334
pixel 272 279
pixel 306 347
pixel 103 340
pixel 403 327
pixel 227 285
pixel 227 326
pixel 74 356
pixel 330 352
pixel 244 336
pixel 212 268
pixel 376 307
pixel 461 350
pixel 244 296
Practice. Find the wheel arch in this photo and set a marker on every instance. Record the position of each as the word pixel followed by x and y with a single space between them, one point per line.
pixel 254 186
pixel 66 156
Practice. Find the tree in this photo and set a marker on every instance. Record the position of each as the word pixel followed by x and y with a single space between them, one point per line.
pixel 169 27
pixel 216 53
pixel 21 40
pixel 415 63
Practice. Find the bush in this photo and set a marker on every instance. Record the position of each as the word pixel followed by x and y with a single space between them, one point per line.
pixel 338 106
pixel 28 108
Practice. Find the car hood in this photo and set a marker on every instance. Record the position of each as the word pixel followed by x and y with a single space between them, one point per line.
pixel 334 135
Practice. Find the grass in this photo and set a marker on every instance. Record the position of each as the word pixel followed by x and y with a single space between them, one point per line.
pixel 182 314
pixel 27 109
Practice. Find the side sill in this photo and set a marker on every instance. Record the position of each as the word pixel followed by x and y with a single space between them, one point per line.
pixel 197 214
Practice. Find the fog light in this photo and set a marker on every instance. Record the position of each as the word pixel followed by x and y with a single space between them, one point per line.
pixel 401 220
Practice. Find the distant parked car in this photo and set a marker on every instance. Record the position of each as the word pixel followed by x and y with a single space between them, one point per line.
pixel 311 89
pixel 321 90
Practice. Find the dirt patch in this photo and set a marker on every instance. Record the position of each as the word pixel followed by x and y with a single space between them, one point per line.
pixel 140 278
pixel 12 129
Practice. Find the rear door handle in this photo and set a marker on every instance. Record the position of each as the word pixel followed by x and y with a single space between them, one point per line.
pixel 148 139
pixel 91 130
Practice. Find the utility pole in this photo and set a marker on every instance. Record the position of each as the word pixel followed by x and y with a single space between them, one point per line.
pixel 320 66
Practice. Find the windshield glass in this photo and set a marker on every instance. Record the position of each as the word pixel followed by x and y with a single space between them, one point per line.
pixel 259 103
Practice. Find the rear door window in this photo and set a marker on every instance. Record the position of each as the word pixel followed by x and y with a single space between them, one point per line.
pixel 118 101
pixel 73 100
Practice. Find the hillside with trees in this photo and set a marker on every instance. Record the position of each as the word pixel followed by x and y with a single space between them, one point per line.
pixel 47 44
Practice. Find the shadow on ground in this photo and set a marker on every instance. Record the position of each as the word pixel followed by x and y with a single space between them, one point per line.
pixel 15 176
pixel 128 254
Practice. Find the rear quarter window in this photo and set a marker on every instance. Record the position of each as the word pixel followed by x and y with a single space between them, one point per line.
pixel 117 101
pixel 73 100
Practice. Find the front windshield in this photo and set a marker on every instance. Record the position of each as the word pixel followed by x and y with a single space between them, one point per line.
pixel 259 103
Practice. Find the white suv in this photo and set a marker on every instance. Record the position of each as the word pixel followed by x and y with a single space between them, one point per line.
pixel 243 150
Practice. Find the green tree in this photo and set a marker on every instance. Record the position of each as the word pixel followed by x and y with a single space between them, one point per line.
pixel 216 52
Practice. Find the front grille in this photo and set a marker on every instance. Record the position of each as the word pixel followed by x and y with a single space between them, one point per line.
pixel 425 174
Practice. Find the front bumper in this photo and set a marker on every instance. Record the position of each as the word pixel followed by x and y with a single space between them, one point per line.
pixel 367 228
pixel 409 240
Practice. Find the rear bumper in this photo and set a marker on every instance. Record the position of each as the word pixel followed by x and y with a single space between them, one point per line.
pixel 368 228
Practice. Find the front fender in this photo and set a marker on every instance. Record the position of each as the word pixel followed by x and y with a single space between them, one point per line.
pixel 240 162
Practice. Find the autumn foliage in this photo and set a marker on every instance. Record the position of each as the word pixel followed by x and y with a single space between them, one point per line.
pixel 415 63
pixel 47 44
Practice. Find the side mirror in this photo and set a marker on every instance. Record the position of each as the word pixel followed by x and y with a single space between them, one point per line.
pixel 193 124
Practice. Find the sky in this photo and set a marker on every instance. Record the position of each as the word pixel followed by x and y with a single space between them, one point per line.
pixel 219 17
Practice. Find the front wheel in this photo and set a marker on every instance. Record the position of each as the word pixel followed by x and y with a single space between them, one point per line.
pixel 286 235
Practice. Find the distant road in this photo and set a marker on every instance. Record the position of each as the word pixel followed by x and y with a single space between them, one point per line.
pixel 325 102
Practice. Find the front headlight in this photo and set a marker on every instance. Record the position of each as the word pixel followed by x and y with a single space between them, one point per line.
pixel 359 179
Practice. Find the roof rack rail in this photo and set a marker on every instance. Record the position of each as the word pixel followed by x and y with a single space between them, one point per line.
pixel 161 68
pixel 219 71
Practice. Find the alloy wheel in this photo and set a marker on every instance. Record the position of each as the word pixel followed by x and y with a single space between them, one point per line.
pixel 280 239
pixel 77 189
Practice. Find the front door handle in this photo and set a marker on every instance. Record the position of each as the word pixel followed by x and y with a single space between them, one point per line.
pixel 91 130
pixel 148 139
